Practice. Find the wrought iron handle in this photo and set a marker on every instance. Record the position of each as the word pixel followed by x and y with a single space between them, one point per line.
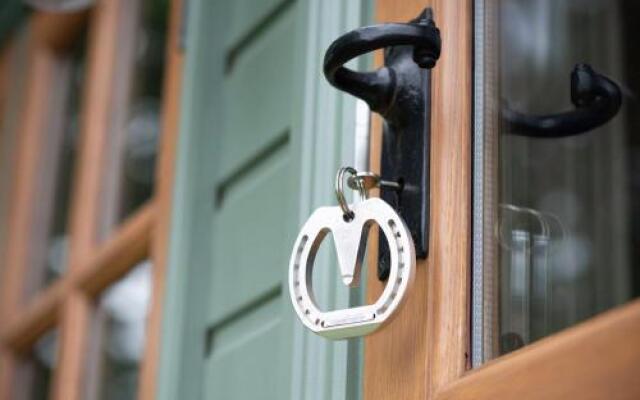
pixel 400 92
pixel 377 87
pixel 597 100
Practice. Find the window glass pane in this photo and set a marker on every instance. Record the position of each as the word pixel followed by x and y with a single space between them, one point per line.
pixel 136 120
pixel 54 181
pixel 118 337
pixel 561 192
pixel 35 370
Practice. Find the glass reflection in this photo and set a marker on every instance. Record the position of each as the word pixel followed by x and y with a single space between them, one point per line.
pixel 118 337
pixel 35 371
pixel 567 231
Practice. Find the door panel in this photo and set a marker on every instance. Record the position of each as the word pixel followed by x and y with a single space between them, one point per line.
pixel 246 16
pixel 261 137
pixel 249 262
pixel 244 353
pixel 258 90
pixel 247 339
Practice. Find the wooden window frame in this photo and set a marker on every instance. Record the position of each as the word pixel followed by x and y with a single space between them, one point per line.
pixel 93 265
pixel 425 352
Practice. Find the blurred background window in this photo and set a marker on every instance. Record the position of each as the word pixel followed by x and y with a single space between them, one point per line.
pixel 135 133
pixel 54 185
pixel 118 337
pixel 35 370
pixel 114 55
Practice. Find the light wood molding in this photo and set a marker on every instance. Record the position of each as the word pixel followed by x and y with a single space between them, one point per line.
pixel 449 269
pixel 58 31
pixel 86 193
pixel 36 318
pixel 425 346
pixel 597 359
pixel 120 253
pixel 163 199
pixel 68 374
pixel 40 74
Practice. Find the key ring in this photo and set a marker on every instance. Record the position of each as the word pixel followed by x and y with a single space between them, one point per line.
pixel 362 182
pixel 339 188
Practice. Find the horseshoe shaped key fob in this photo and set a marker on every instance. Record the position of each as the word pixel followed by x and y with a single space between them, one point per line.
pixel 349 226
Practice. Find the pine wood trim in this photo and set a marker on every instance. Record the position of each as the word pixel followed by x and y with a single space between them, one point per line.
pixel 74 323
pixel 40 74
pixel 119 254
pixel 449 269
pixel 164 195
pixel 13 275
pixel 58 31
pixel 37 317
pixel 101 55
pixel 597 359
pixel 425 346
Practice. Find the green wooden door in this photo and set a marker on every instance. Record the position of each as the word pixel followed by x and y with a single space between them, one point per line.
pixel 261 136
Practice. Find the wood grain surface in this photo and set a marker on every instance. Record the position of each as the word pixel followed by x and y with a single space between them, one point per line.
pixel 597 359
pixel 425 346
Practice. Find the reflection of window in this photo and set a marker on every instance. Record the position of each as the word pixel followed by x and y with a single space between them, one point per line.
pixel 136 125
pixel 560 218
pixel 118 336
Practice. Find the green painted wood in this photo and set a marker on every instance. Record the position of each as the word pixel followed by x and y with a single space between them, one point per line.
pixel 247 16
pixel 260 140
pixel 248 245
pixel 258 94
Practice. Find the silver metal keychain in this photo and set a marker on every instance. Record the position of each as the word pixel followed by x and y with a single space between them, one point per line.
pixel 350 225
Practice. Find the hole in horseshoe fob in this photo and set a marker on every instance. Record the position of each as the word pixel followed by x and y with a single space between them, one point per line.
pixel 350 236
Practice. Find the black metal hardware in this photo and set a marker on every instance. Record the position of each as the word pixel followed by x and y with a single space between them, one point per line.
pixel 400 93
pixel 597 99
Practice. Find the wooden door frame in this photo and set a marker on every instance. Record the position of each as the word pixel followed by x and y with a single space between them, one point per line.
pixel 425 353
pixel 94 265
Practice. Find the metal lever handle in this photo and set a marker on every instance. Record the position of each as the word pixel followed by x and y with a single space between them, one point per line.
pixel 597 100
pixel 377 88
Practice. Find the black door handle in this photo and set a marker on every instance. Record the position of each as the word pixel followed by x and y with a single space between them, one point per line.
pixel 597 100
pixel 377 88
pixel 400 92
